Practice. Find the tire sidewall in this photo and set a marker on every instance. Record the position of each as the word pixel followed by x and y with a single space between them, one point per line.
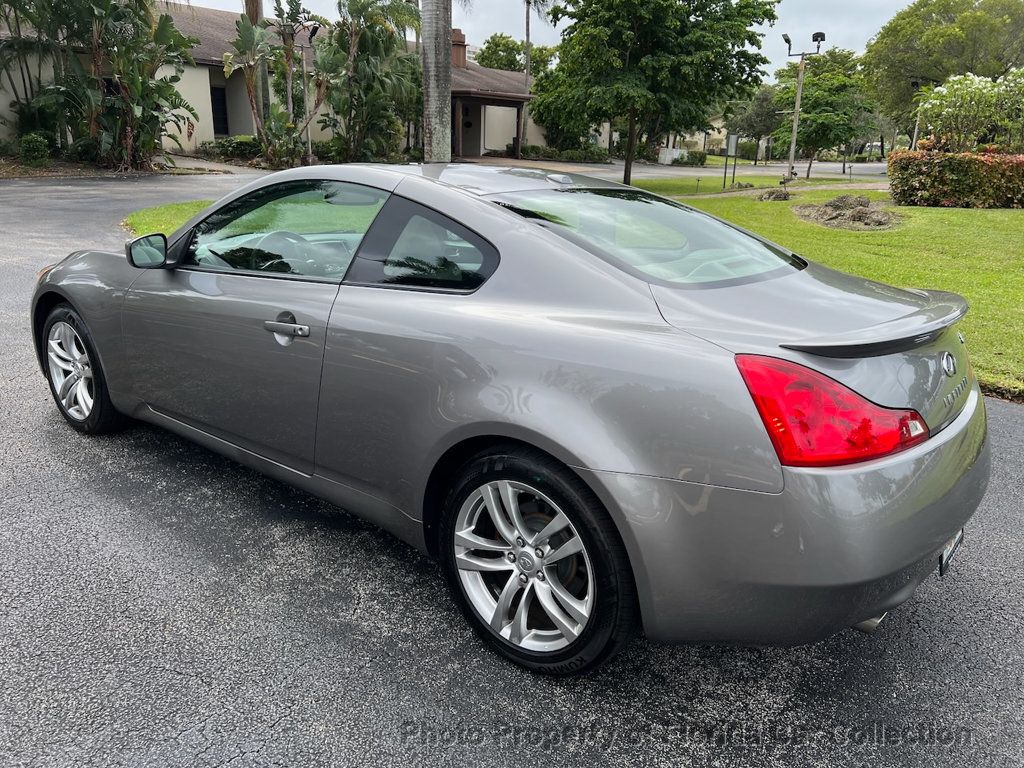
pixel 589 648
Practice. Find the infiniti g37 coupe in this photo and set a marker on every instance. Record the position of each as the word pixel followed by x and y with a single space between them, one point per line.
pixel 601 410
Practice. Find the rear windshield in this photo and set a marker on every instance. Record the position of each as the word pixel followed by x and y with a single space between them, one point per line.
pixel 651 237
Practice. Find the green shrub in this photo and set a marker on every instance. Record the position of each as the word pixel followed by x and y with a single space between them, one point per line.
pixel 694 158
pixel 33 149
pixel 859 159
pixel 7 148
pixel 747 150
pixel 232 148
pixel 963 180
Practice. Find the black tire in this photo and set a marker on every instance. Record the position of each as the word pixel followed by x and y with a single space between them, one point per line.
pixel 614 617
pixel 103 417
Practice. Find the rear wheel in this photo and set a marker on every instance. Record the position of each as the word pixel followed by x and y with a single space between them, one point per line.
pixel 76 378
pixel 536 564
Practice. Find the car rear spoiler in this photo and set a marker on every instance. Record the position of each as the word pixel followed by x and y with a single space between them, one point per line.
pixel 913 330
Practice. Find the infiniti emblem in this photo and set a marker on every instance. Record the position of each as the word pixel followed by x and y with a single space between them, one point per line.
pixel 526 562
pixel 948 364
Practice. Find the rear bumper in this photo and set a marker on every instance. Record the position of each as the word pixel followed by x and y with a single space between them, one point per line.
pixel 835 547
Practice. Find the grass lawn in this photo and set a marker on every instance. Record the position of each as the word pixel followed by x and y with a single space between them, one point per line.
pixel 711 182
pixel 978 254
pixel 163 218
pixel 975 253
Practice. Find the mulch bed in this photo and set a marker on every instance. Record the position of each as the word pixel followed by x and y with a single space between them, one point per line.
pixel 855 212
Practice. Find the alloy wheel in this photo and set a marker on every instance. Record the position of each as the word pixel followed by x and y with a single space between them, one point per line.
pixel 70 371
pixel 523 566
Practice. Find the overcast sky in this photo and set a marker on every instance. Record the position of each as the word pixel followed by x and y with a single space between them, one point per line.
pixel 846 24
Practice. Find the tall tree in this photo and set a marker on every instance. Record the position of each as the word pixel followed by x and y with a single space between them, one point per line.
pixel 931 40
pixel 436 60
pixel 675 58
pixel 834 110
pixel 501 51
pixel 757 118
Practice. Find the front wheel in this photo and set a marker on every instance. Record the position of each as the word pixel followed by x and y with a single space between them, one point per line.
pixel 74 373
pixel 536 564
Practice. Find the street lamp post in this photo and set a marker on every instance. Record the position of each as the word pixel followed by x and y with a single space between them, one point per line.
pixel 818 38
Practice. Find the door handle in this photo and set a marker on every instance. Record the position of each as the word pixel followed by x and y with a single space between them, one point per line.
pixel 286 329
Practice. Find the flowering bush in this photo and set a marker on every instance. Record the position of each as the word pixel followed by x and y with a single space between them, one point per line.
pixel 962 111
pixel 967 109
pixel 957 180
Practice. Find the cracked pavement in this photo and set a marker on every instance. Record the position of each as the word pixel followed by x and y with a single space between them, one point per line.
pixel 160 605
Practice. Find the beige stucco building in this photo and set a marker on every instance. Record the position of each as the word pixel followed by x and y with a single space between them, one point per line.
pixel 485 102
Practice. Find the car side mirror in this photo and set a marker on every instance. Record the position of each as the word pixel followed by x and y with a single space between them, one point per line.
pixel 147 252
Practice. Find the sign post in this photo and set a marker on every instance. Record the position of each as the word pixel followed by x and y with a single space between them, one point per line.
pixel 732 145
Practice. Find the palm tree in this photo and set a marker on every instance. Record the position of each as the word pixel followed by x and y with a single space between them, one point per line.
pixel 541 8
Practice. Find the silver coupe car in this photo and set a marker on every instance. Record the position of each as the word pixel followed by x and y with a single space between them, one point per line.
pixel 602 411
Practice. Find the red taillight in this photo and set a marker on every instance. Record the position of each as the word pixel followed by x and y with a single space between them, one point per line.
pixel 815 421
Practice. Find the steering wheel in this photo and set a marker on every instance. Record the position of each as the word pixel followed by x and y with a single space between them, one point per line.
pixel 286 245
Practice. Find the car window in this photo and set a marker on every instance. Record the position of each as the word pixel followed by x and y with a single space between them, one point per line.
pixel 414 246
pixel 301 228
pixel 656 239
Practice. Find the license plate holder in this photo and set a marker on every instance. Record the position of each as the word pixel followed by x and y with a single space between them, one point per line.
pixel 949 551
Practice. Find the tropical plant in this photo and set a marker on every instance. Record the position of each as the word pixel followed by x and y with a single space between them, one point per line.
pixel 118 100
pixel 374 93
pixel 252 51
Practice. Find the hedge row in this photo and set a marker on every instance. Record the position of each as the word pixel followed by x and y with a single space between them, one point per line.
pixel 592 154
pixel 965 180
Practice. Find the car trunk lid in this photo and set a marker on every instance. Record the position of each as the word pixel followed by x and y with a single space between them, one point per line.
pixel 898 348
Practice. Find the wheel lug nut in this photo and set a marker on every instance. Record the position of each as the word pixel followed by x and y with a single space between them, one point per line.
pixel 540 575
pixel 539 552
pixel 520 542
pixel 523 578
pixel 511 557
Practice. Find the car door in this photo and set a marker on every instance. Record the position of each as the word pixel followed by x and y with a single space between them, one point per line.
pixel 391 361
pixel 231 341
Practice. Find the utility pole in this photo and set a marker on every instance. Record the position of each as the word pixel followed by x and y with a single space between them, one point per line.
pixel 818 38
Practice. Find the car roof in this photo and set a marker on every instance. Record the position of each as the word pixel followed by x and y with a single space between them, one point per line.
pixel 494 179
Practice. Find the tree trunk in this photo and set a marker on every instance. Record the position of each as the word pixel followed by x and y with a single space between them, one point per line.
pixel 810 162
pixel 627 173
pixel 526 68
pixel 254 10
pixel 436 56
pixel 882 139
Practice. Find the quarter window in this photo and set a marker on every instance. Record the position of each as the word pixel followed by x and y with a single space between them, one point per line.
pixel 299 229
pixel 414 246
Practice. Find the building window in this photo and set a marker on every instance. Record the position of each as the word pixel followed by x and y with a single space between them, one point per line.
pixel 219 102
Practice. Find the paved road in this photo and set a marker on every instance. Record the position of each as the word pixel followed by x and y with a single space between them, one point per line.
pixel 162 606
pixel 861 172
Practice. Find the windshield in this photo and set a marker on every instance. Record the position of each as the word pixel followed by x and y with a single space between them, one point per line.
pixel 653 238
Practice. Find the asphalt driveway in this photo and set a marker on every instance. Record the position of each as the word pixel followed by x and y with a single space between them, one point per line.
pixel 160 605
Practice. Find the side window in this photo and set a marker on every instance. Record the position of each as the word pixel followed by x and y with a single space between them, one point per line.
pixel 417 247
pixel 299 228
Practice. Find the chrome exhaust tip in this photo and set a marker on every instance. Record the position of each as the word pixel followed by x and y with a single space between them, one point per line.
pixel 868 626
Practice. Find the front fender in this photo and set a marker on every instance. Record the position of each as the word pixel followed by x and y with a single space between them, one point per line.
pixel 95 284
